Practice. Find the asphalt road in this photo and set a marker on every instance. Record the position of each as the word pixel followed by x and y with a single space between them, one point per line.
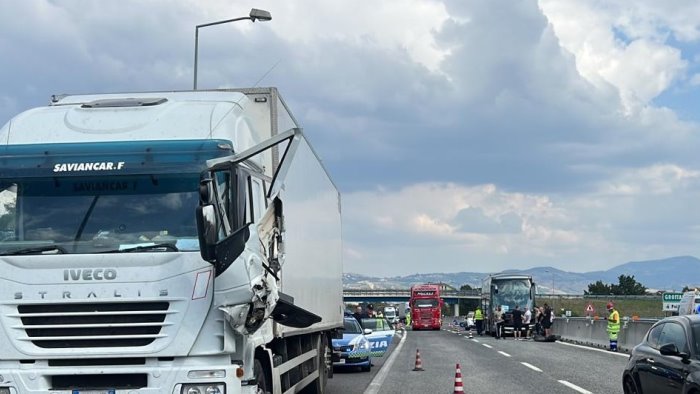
pixel 487 366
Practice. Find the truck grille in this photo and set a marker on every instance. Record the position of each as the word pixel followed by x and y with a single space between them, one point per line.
pixel 93 325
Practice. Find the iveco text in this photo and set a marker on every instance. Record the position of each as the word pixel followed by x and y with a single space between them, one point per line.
pixel 90 274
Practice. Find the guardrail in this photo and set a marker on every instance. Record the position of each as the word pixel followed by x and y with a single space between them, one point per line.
pixel 593 332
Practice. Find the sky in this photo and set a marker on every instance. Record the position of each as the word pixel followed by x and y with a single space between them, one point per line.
pixel 463 135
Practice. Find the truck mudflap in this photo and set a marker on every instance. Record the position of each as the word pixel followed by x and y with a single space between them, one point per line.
pixel 290 315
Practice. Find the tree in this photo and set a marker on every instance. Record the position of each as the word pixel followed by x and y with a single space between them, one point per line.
pixel 465 287
pixel 626 285
pixel 598 288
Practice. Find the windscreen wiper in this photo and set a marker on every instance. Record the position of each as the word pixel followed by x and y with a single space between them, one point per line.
pixel 35 250
pixel 167 246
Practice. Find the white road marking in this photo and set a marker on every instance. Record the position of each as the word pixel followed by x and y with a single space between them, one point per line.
pixel 532 367
pixel 487 345
pixel 575 387
pixel 378 380
pixel 504 353
pixel 595 349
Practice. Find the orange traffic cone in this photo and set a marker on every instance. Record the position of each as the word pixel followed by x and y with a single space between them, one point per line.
pixel 419 363
pixel 459 388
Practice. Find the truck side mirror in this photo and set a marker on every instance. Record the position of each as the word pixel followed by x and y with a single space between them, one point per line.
pixel 207 229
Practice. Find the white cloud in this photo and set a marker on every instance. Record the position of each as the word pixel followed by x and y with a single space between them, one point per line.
pixel 407 24
pixel 637 215
pixel 656 179
pixel 640 65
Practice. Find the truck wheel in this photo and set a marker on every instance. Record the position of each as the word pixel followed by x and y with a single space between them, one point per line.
pixel 319 385
pixel 264 387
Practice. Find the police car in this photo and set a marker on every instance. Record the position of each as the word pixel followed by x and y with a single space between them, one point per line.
pixel 354 348
pixel 381 336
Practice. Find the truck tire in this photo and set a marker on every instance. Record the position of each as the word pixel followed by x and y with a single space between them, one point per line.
pixel 264 386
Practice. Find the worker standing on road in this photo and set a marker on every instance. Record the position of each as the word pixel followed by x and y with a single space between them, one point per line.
pixel 498 319
pixel 479 320
pixel 613 326
pixel 517 322
pixel 527 318
pixel 547 319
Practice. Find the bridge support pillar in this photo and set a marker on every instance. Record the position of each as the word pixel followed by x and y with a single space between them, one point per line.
pixel 457 309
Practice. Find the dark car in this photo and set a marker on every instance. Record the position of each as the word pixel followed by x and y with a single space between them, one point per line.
pixel 668 360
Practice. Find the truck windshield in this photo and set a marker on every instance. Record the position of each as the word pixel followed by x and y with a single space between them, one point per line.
pixel 75 214
pixel 512 292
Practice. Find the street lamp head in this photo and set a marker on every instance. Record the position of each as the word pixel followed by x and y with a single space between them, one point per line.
pixel 260 15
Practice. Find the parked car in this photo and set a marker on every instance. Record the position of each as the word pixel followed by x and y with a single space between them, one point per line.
pixel 668 360
pixel 354 347
pixel 381 336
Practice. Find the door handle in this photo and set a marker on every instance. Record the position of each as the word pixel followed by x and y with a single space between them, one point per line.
pixel 650 360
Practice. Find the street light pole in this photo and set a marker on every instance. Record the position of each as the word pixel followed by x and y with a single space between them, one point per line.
pixel 255 14
pixel 551 289
pixel 552 283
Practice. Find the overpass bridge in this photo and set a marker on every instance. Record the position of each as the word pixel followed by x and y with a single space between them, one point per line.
pixel 450 297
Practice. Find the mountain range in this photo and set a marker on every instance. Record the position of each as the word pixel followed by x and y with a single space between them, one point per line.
pixel 670 274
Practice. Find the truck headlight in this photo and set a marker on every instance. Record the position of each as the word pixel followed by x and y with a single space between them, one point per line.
pixel 203 388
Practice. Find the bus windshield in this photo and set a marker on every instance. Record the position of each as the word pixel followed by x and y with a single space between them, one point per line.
pixel 97 214
pixel 512 292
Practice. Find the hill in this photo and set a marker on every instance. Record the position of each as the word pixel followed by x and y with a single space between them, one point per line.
pixel 666 274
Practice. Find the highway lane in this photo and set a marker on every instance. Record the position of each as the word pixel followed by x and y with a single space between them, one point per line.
pixel 489 365
pixel 593 369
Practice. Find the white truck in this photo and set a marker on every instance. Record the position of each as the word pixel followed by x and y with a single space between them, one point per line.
pixel 390 314
pixel 166 242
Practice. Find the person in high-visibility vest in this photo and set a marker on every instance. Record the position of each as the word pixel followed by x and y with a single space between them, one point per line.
pixel 408 318
pixel 613 326
pixel 479 320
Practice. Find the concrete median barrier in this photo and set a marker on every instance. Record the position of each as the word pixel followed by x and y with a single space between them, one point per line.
pixel 592 332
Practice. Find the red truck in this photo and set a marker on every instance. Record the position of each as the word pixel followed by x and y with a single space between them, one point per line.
pixel 426 306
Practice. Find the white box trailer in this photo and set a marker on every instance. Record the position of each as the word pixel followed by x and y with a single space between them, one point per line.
pixel 166 242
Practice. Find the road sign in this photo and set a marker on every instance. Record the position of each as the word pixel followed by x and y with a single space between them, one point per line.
pixel 671 301
pixel 589 308
pixel 672 297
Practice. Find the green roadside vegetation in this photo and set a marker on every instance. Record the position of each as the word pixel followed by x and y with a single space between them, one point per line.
pixel 642 307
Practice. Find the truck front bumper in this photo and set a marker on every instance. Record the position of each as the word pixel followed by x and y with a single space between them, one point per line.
pixel 149 376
